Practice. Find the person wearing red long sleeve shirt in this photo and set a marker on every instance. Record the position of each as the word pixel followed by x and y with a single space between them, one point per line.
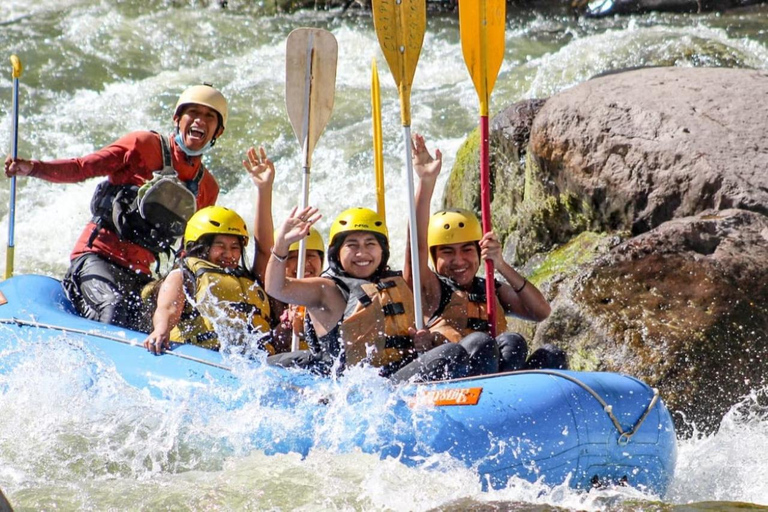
pixel 108 268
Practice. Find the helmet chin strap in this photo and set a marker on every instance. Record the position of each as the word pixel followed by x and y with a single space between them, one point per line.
pixel 186 150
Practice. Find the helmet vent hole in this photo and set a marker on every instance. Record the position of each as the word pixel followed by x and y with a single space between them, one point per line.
pixel 378 223
pixel 446 226
pixel 216 223
pixel 343 222
pixel 461 224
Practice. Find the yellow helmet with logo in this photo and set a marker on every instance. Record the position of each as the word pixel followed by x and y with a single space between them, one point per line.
pixel 358 219
pixel 453 226
pixel 204 95
pixel 215 220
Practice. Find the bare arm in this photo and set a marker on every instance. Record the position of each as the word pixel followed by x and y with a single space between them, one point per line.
pixel 528 303
pixel 427 169
pixel 170 304
pixel 318 294
pixel 262 172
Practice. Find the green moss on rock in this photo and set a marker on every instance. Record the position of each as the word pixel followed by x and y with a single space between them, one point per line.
pixel 462 190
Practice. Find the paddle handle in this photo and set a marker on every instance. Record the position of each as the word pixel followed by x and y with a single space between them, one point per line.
pixel 9 253
pixel 414 238
pixel 485 209
pixel 302 244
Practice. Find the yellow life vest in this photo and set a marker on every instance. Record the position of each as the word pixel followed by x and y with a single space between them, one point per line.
pixel 376 320
pixel 464 312
pixel 228 301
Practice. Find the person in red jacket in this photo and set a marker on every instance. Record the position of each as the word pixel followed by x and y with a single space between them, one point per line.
pixel 154 184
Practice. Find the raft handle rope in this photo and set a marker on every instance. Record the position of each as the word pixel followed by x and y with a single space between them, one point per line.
pixel 65 330
pixel 624 436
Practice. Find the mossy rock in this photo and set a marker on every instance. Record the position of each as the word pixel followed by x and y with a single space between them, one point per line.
pixel 462 190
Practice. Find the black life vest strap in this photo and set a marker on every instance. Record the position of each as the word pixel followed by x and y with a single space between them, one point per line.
pixel 393 308
pixel 476 297
pixel 399 342
pixel 383 285
pixel 477 324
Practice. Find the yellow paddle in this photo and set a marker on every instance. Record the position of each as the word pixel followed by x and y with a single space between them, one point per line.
pixel 378 143
pixel 400 26
pixel 310 86
pixel 482 23
pixel 16 73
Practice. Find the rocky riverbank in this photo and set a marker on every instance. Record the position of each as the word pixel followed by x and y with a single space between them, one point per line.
pixel 638 201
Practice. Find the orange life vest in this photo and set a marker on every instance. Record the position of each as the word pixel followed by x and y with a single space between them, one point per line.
pixel 375 324
pixel 462 312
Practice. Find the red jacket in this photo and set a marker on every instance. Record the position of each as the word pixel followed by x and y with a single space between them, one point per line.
pixel 130 160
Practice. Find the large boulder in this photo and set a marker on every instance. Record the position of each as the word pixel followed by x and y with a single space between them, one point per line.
pixel 654 144
pixel 683 307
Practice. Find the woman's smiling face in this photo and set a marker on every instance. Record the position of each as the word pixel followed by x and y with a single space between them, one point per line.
pixel 360 254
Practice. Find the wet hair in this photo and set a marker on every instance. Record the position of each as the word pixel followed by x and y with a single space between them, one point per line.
pixel 335 247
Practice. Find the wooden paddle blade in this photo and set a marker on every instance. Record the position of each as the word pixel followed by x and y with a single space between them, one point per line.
pixel 400 27
pixel 481 24
pixel 310 83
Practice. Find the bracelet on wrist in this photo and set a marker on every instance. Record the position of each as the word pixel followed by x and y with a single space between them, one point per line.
pixel 281 259
pixel 518 290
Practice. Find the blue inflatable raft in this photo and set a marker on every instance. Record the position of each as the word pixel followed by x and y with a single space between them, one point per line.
pixel 586 429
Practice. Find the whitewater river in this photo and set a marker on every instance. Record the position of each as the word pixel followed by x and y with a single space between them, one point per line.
pixel 73 435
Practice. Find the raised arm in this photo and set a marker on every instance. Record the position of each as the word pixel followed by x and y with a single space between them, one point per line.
pixel 518 296
pixel 262 173
pixel 427 169
pixel 170 304
pixel 314 293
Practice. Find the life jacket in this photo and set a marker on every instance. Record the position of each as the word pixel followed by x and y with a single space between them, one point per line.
pixel 376 320
pixel 153 215
pixel 462 312
pixel 224 300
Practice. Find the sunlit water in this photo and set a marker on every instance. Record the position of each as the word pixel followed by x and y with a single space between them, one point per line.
pixel 73 435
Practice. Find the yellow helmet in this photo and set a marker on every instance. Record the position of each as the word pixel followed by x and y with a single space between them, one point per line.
pixel 204 95
pixel 314 242
pixel 358 219
pixel 215 220
pixel 453 226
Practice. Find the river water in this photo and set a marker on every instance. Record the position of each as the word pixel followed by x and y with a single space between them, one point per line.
pixel 95 70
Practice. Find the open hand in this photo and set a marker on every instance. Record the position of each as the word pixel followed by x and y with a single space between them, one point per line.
pixel 296 226
pixel 425 165
pixel 259 167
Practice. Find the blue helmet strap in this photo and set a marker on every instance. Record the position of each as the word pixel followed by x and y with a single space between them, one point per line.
pixel 186 150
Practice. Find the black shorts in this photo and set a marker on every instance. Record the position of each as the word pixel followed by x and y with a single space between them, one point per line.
pixel 103 291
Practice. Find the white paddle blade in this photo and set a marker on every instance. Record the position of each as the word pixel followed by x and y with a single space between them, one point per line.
pixel 310 83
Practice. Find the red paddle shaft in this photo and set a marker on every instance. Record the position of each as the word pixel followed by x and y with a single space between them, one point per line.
pixel 485 209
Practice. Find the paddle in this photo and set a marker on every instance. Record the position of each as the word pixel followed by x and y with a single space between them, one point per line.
pixel 16 64
pixel 400 26
pixel 378 143
pixel 310 84
pixel 482 23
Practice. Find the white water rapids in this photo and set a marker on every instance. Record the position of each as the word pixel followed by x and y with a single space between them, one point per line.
pixel 73 435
